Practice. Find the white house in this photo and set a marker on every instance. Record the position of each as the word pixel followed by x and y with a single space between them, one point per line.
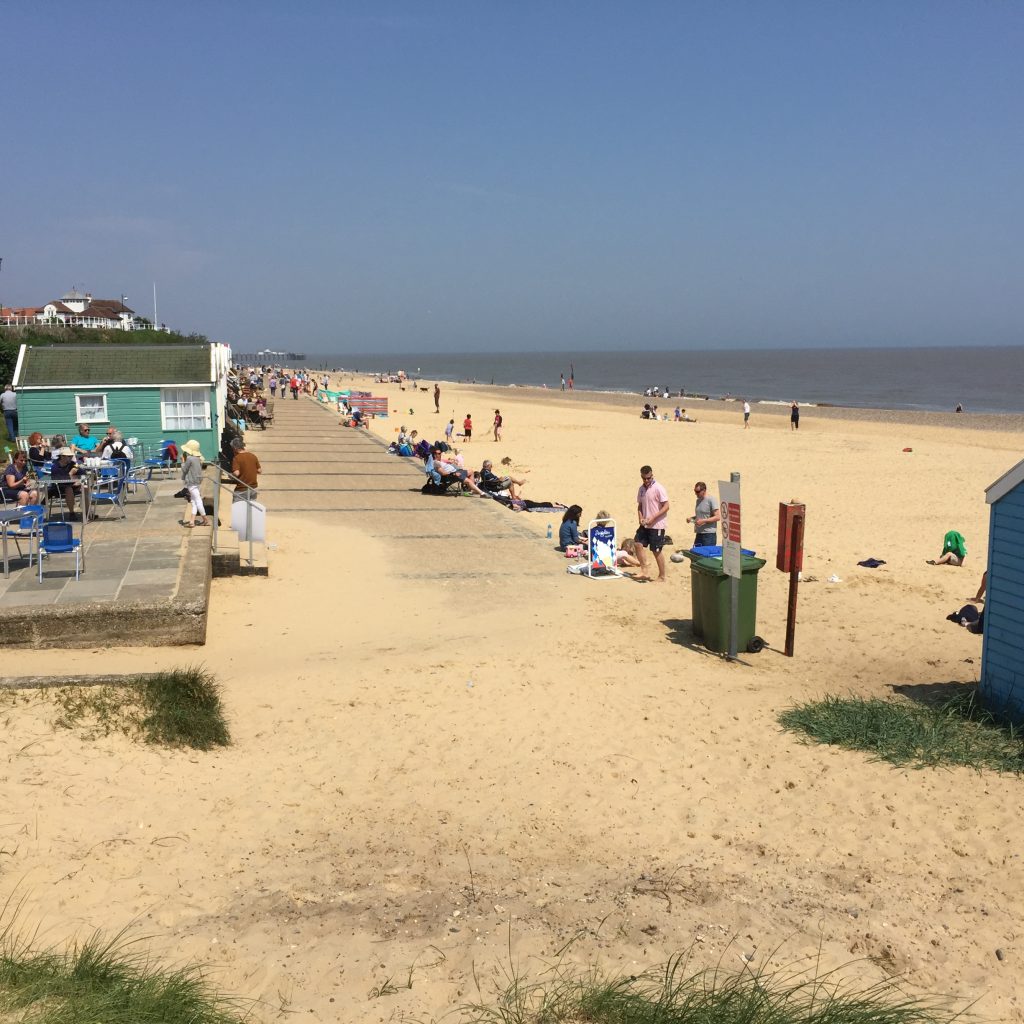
pixel 82 310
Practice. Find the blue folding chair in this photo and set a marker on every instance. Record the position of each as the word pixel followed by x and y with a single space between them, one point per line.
pixel 58 539
pixel 111 489
pixel 140 477
pixel 29 527
pixel 162 461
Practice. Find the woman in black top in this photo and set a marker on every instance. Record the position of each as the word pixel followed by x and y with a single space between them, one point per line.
pixel 38 450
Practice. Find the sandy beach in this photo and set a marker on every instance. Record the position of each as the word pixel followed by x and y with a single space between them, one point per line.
pixel 437 777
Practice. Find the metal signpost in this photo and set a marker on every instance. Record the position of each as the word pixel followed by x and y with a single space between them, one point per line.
pixel 790 558
pixel 732 559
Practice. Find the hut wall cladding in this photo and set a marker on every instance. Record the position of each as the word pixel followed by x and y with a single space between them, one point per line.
pixel 1002 682
pixel 134 411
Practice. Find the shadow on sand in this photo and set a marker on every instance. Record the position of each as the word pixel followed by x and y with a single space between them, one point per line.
pixel 934 694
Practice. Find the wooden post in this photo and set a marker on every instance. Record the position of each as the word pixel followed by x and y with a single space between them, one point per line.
pixel 796 544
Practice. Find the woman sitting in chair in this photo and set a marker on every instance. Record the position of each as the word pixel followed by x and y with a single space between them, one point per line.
pixel 65 479
pixel 38 450
pixel 16 484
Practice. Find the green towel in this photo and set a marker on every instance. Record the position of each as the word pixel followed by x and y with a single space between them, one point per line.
pixel 954 542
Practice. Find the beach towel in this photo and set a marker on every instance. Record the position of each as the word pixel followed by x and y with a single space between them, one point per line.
pixel 872 563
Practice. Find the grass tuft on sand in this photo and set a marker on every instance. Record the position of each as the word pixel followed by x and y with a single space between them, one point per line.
pixel 177 708
pixel 673 994
pixel 102 979
pixel 958 731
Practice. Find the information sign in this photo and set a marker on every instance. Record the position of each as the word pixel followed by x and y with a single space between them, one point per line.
pixel 729 496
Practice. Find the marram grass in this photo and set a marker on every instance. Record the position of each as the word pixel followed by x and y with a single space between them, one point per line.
pixel 676 994
pixel 177 708
pixel 955 732
pixel 103 981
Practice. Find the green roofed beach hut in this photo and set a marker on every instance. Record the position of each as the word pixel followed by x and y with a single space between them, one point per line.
pixel 149 392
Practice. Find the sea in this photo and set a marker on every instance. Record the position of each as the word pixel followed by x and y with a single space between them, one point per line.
pixel 981 379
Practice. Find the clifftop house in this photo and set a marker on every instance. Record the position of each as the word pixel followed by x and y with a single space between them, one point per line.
pixel 76 309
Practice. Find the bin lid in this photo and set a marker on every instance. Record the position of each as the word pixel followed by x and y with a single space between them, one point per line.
pixel 714 566
pixel 715 551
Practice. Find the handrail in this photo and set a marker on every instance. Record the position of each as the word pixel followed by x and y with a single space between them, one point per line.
pixel 219 482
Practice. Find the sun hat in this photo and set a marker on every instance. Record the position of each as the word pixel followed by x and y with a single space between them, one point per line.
pixel 191 447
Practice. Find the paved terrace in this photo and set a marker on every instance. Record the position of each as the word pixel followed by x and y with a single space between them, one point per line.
pixel 150 571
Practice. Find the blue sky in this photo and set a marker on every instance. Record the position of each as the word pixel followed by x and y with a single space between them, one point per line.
pixel 360 177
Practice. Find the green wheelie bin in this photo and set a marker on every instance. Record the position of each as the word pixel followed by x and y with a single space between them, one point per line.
pixel 710 601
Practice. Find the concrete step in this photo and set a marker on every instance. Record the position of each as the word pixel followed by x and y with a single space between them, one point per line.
pixel 231 556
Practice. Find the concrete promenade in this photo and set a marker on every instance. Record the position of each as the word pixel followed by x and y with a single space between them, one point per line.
pixel 315 468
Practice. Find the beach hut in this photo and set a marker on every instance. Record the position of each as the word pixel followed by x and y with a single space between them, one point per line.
pixel 1002 652
pixel 149 392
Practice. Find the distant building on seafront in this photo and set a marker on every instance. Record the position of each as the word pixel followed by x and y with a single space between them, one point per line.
pixel 77 309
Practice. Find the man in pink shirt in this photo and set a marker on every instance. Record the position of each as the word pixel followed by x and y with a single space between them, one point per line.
pixel 652 513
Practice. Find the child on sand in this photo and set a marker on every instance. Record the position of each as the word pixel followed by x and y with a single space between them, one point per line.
pixel 467 426
pixel 448 431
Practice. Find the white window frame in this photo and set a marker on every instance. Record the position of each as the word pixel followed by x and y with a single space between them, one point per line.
pixel 81 417
pixel 204 396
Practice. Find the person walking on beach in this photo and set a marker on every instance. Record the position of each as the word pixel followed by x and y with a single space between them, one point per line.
pixel 652 516
pixel 562 376
pixel 705 514
pixel 746 414
pixel 448 432
pixel 794 416
pixel 467 427
pixel 295 388
pixel 437 398
pixel 497 424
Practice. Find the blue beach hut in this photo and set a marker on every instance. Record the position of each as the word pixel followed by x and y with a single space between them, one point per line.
pixel 1002 653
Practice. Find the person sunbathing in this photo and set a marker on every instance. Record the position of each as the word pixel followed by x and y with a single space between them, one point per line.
pixel 625 557
pixel 490 481
pixel 443 469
